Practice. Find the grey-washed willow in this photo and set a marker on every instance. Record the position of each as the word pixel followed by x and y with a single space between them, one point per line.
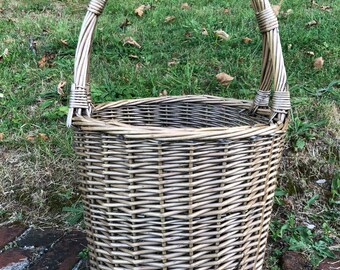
pixel 180 182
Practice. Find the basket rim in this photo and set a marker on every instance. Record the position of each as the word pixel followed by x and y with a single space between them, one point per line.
pixel 113 126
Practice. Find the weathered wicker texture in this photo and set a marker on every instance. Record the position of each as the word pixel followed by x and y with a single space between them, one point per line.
pixel 179 182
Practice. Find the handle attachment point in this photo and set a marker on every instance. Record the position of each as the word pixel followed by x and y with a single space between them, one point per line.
pixel 96 6
pixel 267 20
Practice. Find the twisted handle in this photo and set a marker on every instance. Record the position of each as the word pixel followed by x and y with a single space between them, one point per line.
pixel 272 65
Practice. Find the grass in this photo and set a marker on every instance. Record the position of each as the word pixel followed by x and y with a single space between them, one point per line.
pixel 37 163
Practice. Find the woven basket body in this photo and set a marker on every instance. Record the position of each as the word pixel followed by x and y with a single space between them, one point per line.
pixel 179 182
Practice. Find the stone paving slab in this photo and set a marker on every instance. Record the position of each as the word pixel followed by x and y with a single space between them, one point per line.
pixel 64 254
pixel 36 238
pixel 15 259
pixel 10 233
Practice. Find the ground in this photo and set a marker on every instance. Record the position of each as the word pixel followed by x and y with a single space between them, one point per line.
pixel 37 46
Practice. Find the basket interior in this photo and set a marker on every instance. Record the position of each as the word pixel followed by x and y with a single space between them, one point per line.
pixel 180 114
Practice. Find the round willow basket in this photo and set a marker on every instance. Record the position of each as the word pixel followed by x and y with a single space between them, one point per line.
pixel 180 182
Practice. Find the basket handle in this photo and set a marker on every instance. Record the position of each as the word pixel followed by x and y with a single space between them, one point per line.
pixel 272 64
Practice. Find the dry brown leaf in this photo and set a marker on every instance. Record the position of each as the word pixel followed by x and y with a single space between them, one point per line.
pixel 169 19
pixel 172 63
pixel 138 66
pixel 30 138
pixel 276 9
pixel 221 34
pixel 133 56
pixel 224 78
pixel 314 4
pixel 226 10
pixel 45 60
pixel 185 6
pixel 43 136
pixel 4 54
pixel 318 63
pixel 1 136
pixel 2 10
pixel 286 13
pixel 131 41
pixel 163 93
pixel 310 53
pixel 289 11
pixel 140 10
pixel 60 88
pixel 289 46
pixel 246 40
pixel 205 32
pixel 326 8
pixel 311 23
pixel 64 42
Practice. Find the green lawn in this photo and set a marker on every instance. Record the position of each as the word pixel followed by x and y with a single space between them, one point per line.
pixel 37 163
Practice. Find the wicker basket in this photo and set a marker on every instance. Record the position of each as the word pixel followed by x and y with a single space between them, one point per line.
pixel 180 182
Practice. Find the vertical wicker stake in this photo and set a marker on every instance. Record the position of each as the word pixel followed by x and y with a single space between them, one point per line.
pixel 183 182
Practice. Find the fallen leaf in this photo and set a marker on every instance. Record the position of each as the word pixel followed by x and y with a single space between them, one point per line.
pixel 311 23
pixel 131 41
pixel 169 19
pixel 289 46
pixel 30 138
pixel 124 24
pixel 163 93
pixel 60 88
pixel 276 9
pixel 246 40
pixel 2 10
pixel 221 34
pixel 1 136
pixel 140 10
pixel 42 136
pixel 224 78
pixel 226 10
pixel 133 56
pixel 314 3
pixel 1 95
pixel 205 32
pixel 5 52
pixel 45 59
pixel 286 13
pixel 310 53
pixel 64 42
pixel 289 11
pixel 326 8
pixel 185 6
pixel 318 63
pixel 172 63
pixel 138 66
pixel 321 181
pixel 310 226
